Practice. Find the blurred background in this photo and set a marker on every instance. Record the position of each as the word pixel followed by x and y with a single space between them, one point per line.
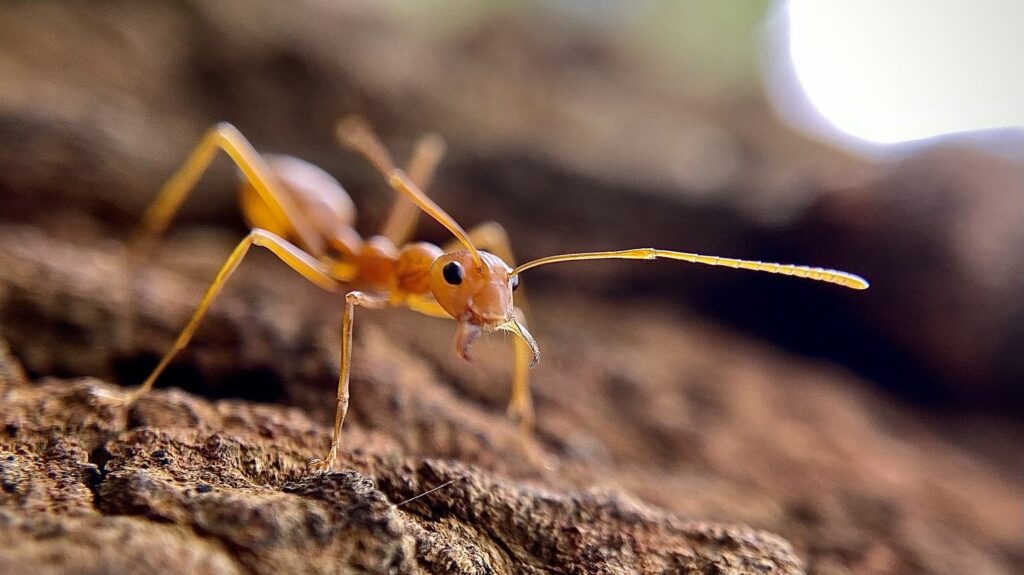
pixel 881 138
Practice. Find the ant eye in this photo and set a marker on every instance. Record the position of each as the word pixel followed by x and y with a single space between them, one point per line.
pixel 453 273
pixel 515 282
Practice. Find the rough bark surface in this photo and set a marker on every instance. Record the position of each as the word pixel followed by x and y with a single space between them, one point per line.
pixel 177 484
pixel 664 444
pixel 180 485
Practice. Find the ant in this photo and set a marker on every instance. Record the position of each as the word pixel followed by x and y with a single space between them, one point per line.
pixel 304 217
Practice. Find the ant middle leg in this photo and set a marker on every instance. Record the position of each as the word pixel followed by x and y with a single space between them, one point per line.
pixel 520 405
pixel 295 258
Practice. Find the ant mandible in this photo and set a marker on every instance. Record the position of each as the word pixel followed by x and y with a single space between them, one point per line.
pixel 304 217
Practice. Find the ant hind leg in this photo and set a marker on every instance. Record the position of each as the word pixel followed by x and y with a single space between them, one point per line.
pixel 277 206
pixel 224 137
pixel 296 259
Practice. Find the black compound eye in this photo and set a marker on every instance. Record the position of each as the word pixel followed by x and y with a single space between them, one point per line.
pixel 453 273
pixel 514 280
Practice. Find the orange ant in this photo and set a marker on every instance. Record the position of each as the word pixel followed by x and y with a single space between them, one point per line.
pixel 304 217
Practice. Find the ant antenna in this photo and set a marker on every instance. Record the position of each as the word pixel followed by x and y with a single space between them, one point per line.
pixel 356 133
pixel 820 274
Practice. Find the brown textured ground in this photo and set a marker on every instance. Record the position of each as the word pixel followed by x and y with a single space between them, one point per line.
pixel 180 485
pixel 655 428
pixel 659 437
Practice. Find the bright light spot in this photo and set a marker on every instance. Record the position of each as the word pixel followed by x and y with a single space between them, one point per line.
pixel 896 70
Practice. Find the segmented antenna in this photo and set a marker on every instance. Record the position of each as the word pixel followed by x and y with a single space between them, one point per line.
pixel 820 274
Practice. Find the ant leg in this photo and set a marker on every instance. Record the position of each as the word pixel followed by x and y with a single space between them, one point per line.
pixel 157 217
pixel 520 406
pixel 401 220
pixel 225 137
pixel 296 259
pixel 352 299
pixel 426 305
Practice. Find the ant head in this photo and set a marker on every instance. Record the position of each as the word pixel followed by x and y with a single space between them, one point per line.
pixel 477 295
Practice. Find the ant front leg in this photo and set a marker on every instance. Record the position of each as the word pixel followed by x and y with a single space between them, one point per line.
pixel 520 406
pixel 352 299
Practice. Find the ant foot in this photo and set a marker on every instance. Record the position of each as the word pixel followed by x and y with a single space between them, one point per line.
pixel 533 452
pixel 117 399
pixel 322 466
pixel 522 413
pixel 319 466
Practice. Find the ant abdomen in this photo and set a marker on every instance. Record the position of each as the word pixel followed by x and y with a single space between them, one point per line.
pixel 316 195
